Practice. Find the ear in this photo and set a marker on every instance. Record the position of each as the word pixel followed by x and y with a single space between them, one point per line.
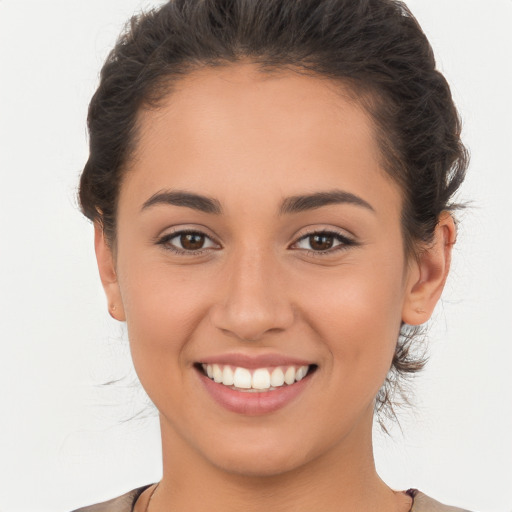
pixel 108 276
pixel 428 273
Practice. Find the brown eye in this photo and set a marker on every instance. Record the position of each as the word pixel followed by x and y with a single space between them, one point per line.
pixel 321 242
pixel 192 241
pixel 187 242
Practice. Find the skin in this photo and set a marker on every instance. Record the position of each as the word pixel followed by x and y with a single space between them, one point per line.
pixel 249 140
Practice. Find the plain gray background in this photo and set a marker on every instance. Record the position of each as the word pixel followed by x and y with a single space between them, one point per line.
pixel 63 442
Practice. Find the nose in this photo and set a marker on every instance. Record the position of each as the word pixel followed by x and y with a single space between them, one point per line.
pixel 254 299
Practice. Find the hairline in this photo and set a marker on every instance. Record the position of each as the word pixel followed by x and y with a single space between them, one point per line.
pixel 362 95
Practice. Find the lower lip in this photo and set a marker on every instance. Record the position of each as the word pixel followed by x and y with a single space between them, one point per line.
pixel 253 403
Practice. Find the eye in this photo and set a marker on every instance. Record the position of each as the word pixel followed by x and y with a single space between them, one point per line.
pixel 182 242
pixel 323 242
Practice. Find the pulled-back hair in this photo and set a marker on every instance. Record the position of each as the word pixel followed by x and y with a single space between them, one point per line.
pixel 375 48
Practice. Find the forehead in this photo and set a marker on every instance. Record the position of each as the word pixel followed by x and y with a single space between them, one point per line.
pixel 221 129
pixel 241 96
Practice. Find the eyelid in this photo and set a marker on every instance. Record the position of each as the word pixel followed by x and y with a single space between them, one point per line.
pixel 164 240
pixel 345 240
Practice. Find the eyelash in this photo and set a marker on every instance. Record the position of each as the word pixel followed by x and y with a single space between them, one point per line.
pixel 165 241
pixel 344 242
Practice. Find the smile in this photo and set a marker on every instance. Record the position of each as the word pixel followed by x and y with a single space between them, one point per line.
pixel 255 380
pixel 255 385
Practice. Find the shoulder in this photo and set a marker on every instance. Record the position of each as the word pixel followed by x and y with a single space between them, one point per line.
pixel 423 503
pixel 122 503
pixel 125 503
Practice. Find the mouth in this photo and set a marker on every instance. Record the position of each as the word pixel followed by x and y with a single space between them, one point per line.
pixel 255 380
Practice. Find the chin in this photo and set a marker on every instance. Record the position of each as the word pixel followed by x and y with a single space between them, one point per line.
pixel 259 466
pixel 262 456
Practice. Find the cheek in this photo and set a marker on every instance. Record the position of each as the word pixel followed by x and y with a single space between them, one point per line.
pixel 162 309
pixel 357 316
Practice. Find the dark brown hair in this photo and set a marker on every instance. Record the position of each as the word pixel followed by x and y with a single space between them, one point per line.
pixel 376 48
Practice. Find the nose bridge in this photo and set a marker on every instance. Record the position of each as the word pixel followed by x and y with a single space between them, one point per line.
pixel 254 298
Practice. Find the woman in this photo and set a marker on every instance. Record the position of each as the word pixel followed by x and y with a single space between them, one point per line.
pixel 270 184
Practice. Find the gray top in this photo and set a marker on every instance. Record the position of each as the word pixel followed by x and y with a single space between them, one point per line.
pixel 126 503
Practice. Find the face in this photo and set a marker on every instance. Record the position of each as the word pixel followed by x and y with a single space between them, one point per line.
pixel 259 238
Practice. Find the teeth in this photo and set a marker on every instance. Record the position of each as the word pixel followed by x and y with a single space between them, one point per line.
pixel 261 379
pixel 217 373
pixel 227 376
pixel 289 376
pixel 301 373
pixel 242 378
pixel 277 378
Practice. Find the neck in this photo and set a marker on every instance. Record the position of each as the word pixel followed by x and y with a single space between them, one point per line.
pixel 342 479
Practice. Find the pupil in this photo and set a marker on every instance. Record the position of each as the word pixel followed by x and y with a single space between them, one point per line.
pixel 321 242
pixel 192 241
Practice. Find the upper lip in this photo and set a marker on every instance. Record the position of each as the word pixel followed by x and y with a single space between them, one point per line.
pixel 254 361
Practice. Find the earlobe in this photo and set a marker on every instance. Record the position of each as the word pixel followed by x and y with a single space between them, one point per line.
pixel 108 276
pixel 428 277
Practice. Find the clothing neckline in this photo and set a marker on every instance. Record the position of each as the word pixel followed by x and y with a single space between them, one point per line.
pixel 412 493
pixel 137 495
pixel 138 492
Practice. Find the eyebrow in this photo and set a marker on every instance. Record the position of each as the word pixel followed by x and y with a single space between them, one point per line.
pixel 294 204
pixel 186 199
